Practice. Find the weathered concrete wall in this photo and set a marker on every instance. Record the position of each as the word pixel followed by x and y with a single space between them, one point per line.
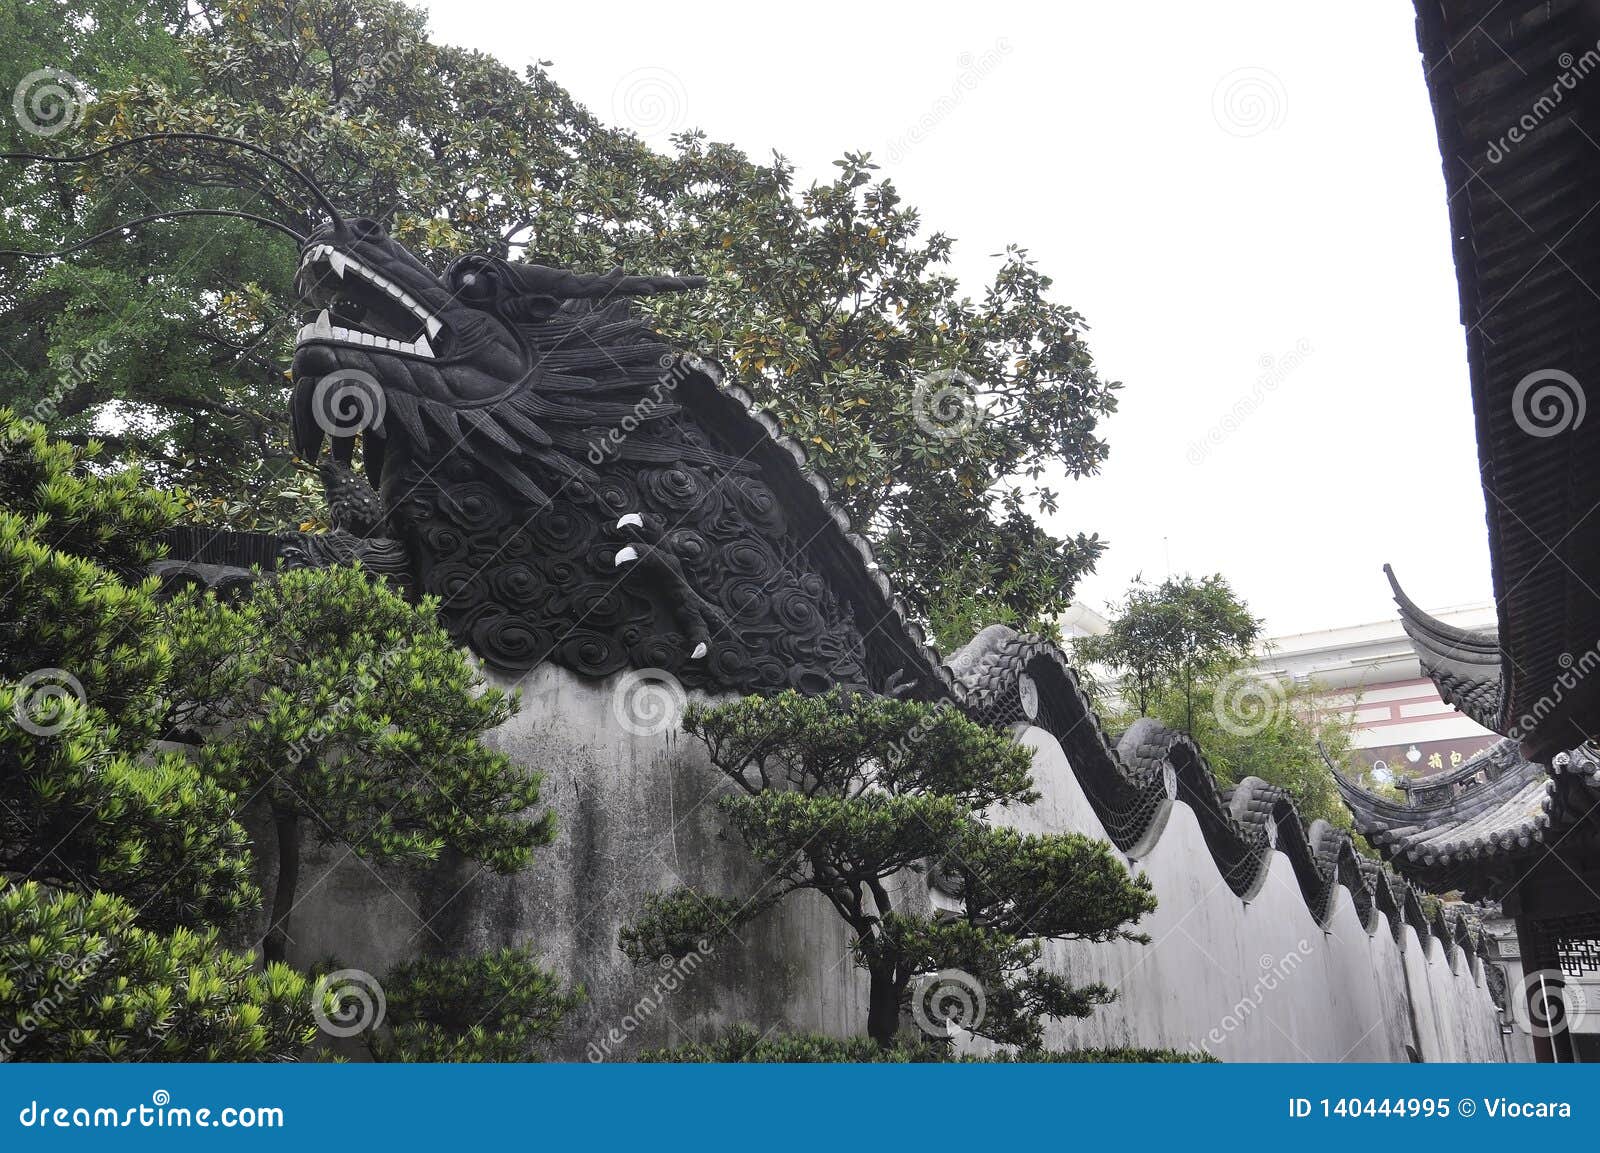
pixel 1256 979
pixel 1253 979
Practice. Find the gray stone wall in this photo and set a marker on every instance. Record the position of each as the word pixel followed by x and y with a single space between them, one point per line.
pixel 1253 979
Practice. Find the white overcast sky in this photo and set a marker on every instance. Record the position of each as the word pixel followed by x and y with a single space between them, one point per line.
pixel 1214 186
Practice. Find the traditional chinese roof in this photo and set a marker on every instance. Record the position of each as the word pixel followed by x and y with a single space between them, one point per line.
pixel 1463 663
pixel 1004 677
pixel 1518 119
pixel 1480 827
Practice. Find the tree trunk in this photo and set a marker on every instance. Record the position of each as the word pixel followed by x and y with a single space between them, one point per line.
pixel 883 1006
pixel 276 945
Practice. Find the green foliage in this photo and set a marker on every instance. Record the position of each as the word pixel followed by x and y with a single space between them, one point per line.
pixel 353 708
pixel 840 793
pixel 346 707
pixel 677 923
pixel 80 981
pixel 501 1006
pixel 1281 746
pixel 1166 641
pixel 740 1044
pixel 1180 651
pixel 829 303
pixel 82 802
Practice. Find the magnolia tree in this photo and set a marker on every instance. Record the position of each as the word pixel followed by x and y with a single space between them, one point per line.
pixel 935 409
pixel 841 795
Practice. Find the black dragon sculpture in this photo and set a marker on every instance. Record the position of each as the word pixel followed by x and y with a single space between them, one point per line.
pixel 535 468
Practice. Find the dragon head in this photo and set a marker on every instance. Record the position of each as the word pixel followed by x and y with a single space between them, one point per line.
pixel 375 315
pixel 382 331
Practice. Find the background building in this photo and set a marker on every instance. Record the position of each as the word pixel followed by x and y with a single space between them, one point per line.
pixel 1371 672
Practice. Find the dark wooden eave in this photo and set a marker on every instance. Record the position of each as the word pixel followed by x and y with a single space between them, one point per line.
pixel 1464 664
pixel 1525 226
pixel 1482 827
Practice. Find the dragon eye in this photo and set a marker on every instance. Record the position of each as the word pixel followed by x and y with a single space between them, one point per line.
pixel 476 282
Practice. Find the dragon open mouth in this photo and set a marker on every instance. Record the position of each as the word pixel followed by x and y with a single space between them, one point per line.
pixel 351 304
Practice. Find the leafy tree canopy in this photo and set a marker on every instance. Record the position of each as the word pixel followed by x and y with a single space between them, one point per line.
pixel 937 415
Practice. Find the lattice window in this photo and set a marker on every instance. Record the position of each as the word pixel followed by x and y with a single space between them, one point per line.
pixel 1578 956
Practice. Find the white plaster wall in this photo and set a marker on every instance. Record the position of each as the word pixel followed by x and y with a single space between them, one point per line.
pixel 1247 980
pixel 1256 979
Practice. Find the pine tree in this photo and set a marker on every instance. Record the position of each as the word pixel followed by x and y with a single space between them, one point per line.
pixel 114 861
pixel 840 793
pixel 350 713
